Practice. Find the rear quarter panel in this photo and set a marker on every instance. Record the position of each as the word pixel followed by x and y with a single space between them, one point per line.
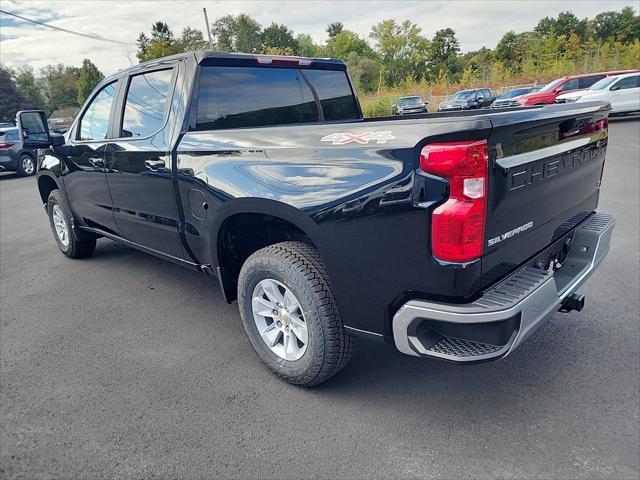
pixel 349 186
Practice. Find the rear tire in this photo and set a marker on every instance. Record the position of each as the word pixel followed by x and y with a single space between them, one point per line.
pixel 301 337
pixel 73 244
pixel 26 165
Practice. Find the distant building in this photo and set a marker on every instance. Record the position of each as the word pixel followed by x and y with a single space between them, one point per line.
pixel 63 118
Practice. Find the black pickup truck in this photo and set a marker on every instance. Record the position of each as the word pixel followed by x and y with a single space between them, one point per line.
pixel 447 235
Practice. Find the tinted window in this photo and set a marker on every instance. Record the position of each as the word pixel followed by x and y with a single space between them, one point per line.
pixel 464 95
pixel 586 82
pixel 95 121
pixel 572 84
pixel 334 93
pixel 486 93
pixel 629 82
pixel 602 84
pixel 146 104
pixel 550 86
pixel 233 97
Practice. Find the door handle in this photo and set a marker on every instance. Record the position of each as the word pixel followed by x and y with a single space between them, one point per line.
pixel 97 162
pixel 154 165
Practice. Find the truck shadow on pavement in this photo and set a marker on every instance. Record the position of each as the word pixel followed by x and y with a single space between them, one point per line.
pixel 376 370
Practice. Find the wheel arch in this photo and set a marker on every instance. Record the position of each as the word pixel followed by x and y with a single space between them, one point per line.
pixel 248 225
pixel 46 184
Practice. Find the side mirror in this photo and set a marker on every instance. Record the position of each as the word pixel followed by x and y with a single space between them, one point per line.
pixel 480 98
pixel 557 90
pixel 33 129
pixel 614 88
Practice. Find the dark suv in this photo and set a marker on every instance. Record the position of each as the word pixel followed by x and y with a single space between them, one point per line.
pixel 467 100
pixel 13 157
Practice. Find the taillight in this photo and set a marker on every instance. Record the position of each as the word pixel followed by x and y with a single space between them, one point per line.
pixel 457 226
pixel 4 146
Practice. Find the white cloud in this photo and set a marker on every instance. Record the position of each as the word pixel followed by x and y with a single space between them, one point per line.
pixel 477 23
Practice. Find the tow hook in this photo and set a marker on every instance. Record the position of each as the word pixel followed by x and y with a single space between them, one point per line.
pixel 573 301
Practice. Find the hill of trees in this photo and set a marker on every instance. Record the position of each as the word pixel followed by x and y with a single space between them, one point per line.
pixel 395 58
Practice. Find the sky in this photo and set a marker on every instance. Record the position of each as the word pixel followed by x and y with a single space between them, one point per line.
pixel 476 23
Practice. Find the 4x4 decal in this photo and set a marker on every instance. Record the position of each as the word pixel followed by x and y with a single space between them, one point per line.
pixel 342 138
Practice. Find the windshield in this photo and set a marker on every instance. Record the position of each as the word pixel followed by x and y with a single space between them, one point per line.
pixel 409 101
pixel 603 83
pixel 550 86
pixel 464 95
pixel 514 93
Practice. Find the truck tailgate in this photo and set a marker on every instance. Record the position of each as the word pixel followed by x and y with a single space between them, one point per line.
pixel 545 169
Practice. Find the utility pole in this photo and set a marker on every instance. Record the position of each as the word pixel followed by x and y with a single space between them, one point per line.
pixel 206 21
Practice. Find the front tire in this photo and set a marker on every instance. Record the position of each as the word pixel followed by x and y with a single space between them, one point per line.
pixel 290 315
pixel 26 165
pixel 72 244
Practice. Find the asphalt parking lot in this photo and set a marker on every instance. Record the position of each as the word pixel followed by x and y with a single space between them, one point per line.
pixel 123 365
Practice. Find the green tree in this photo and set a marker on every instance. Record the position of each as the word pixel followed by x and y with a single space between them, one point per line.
pixel 161 44
pixel 443 55
pixel 630 25
pixel 346 42
pixel 364 71
pixel 567 23
pixel 306 46
pixel 278 38
pixel 334 29
pixel 28 86
pixel 545 27
pixel 11 99
pixel 192 40
pixel 402 50
pixel 60 85
pixel 606 25
pixel 89 77
pixel 237 34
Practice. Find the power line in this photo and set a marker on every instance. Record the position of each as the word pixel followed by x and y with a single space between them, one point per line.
pixel 86 35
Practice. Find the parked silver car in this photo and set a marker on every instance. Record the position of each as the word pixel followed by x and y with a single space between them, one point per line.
pixel 13 157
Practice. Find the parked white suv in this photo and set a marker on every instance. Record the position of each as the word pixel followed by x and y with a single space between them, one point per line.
pixel 622 91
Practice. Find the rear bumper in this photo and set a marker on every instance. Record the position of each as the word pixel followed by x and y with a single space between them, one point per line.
pixel 499 321
pixel 8 162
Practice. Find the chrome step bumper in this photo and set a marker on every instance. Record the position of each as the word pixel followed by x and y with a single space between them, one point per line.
pixel 510 310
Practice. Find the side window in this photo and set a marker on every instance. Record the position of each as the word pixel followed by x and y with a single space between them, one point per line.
pixel 94 123
pixel 572 84
pixel 628 82
pixel 586 82
pixel 486 94
pixel 146 104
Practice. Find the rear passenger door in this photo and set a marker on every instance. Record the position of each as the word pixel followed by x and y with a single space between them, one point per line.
pixel 138 162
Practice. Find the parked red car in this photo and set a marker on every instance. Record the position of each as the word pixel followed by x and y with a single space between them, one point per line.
pixel 549 92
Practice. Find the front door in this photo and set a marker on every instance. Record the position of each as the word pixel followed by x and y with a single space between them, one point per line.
pixel 139 164
pixel 85 180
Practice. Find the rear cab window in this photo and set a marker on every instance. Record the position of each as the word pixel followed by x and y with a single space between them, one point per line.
pixel 241 97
